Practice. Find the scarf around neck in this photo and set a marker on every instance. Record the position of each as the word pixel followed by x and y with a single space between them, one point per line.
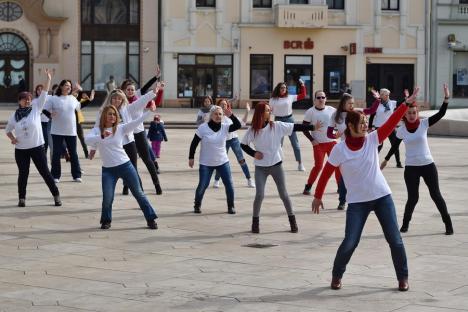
pixel 22 112
pixel 412 126
pixel 354 144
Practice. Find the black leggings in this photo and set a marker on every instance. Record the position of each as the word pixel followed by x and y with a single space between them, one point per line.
pixel 79 134
pixel 142 149
pixel 430 177
pixel 23 160
pixel 393 139
pixel 131 150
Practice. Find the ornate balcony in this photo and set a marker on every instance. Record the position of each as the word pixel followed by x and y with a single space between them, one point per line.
pixel 301 16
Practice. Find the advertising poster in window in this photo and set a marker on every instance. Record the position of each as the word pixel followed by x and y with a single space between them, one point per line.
pixel 462 76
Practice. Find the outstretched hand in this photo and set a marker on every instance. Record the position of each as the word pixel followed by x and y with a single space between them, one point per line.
pixel 446 91
pixel 375 94
pixel 316 205
pixel 412 97
pixel 227 111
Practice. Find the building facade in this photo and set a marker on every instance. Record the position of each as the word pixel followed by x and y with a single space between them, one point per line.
pixel 242 49
pixel 449 51
pixel 86 41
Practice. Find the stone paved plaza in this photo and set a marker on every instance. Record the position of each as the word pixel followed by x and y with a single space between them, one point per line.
pixel 57 259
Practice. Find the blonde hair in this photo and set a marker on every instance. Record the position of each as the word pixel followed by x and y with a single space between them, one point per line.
pixel 385 91
pixel 102 121
pixel 214 108
pixel 114 93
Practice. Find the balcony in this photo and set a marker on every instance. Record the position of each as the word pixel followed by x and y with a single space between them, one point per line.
pixel 301 16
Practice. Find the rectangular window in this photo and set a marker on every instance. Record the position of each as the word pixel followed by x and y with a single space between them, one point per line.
pixel 262 3
pixel 204 74
pixel 298 67
pixel 261 76
pixel 298 1
pixel 206 3
pixel 391 5
pixel 110 12
pixel 335 4
pixel 334 80
pixel 460 74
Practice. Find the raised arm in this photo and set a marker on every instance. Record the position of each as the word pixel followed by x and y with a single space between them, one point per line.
pixel 246 114
pixel 150 82
pixel 371 110
pixel 140 104
pixel 443 108
pixel 43 97
pixel 130 126
pixel 236 125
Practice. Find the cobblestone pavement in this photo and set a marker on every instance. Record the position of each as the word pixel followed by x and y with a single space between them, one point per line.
pixel 57 258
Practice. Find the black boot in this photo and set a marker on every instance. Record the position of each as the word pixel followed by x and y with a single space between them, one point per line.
pixel 157 166
pixel 158 189
pixel 196 208
pixel 255 224
pixel 292 222
pixel 57 200
pixel 231 210
pixel 404 226
pixel 152 224
pixel 448 227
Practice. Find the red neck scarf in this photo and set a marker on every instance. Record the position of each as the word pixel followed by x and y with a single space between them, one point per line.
pixel 132 99
pixel 412 126
pixel 354 143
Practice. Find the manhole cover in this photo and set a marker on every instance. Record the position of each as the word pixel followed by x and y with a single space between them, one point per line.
pixel 260 245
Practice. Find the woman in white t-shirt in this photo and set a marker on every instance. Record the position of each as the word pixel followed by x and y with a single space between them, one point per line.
pixel 266 136
pixel 213 155
pixel 62 108
pixel 358 160
pixel 25 132
pixel 419 162
pixel 109 138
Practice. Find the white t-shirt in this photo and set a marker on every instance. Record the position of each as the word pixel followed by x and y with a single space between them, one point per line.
pixel 233 134
pixel 339 126
pixel 28 130
pixel 213 145
pixel 268 142
pixel 313 115
pixel 360 170
pixel 111 147
pixel 282 106
pixel 381 115
pixel 64 106
pixel 137 112
pixel 417 148
pixel 43 117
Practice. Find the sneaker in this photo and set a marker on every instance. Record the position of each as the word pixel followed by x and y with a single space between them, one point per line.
pixel 106 225
pixel 250 183
pixel 78 180
pixel 307 189
pixel 231 210
pixel 57 181
pixel 300 167
pixel 57 200
pixel 152 224
pixel 216 184
pixel 341 206
pixel 399 165
pixel 22 202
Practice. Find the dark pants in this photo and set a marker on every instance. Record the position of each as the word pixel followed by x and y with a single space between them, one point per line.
pixel 131 150
pixel 205 173
pixel 79 133
pixel 23 160
pixel 392 138
pixel 143 151
pixel 430 177
pixel 45 133
pixel 70 141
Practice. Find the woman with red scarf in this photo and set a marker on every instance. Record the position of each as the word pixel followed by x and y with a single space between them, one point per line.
pixel 419 162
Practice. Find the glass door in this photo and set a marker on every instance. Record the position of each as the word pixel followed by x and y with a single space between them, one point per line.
pixel 299 67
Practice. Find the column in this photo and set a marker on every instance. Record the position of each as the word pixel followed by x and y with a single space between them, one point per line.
pixel 54 44
pixel 43 49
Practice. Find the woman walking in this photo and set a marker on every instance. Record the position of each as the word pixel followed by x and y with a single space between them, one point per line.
pixel 25 132
pixel 281 106
pixel 266 137
pixel 358 159
pixel 419 162
pixel 116 164
pixel 213 155
pixel 232 141
pixel 62 108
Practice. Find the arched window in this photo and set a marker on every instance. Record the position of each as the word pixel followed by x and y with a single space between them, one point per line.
pixel 10 11
pixel 12 43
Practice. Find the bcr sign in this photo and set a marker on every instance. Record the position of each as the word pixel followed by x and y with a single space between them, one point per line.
pixel 297 44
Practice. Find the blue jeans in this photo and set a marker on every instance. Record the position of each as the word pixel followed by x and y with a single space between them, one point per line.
pixel 342 191
pixel 70 141
pixel 292 137
pixel 205 173
pixel 236 148
pixel 356 217
pixel 128 174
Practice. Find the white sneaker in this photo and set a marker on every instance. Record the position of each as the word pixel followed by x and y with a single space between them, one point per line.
pixel 300 167
pixel 57 181
pixel 77 180
pixel 250 183
pixel 216 184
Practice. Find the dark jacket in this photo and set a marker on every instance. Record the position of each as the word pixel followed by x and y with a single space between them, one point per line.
pixel 156 132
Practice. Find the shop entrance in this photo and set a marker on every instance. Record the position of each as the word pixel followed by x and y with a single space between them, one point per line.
pixel 395 77
pixel 299 67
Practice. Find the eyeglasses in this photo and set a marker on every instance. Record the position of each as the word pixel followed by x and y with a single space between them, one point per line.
pixel 320 97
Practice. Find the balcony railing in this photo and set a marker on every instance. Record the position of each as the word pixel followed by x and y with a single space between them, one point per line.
pixel 460 12
pixel 301 16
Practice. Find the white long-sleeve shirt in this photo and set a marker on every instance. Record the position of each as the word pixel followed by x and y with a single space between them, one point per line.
pixel 111 147
pixel 28 130
pixel 64 121
pixel 135 114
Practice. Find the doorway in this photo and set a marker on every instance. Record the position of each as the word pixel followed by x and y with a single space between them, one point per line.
pixel 14 66
pixel 395 77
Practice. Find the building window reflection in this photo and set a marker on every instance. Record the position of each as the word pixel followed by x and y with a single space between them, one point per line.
pixel 460 74
pixel 261 76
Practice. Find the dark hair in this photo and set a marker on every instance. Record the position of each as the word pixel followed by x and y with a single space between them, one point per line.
pixel 37 87
pixel 315 93
pixel 341 106
pixel 24 95
pixel 58 91
pixel 276 91
pixel 354 118
pixel 257 119
pixel 208 97
pixel 126 83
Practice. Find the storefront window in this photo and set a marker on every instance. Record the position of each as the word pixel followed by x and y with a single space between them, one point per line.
pixel 261 76
pixel 460 74
pixel 334 80
pixel 204 74
pixel 298 67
